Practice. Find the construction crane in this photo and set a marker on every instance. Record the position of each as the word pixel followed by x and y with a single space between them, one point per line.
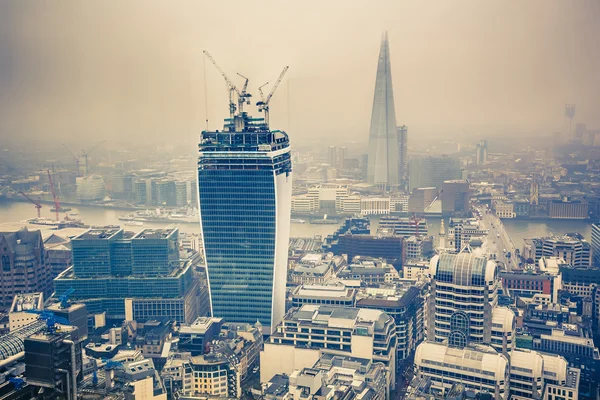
pixel 244 96
pixel 38 204
pixel 416 221
pixel 50 318
pixel 64 298
pixel 54 196
pixel 263 105
pixel 85 155
pixel 231 88
pixel 76 158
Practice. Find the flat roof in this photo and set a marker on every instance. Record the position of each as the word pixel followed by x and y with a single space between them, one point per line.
pixel 98 234
pixel 151 233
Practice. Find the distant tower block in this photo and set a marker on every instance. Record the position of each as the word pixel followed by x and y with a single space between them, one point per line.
pixel 442 237
pixel 570 113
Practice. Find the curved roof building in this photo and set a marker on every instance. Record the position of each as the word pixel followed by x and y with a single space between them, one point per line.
pixel 464 303
pixel 13 343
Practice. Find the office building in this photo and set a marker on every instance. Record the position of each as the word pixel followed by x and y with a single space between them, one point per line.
pixel 595 244
pixel 568 209
pixel 334 293
pixel 57 250
pixel 579 351
pixel 90 187
pixel 53 360
pixel 462 231
pixel 414 269
pixel 404 226
pixel 403 302
pixel 312 330
pixel 529 283
pixel 132 277
pixel 455 196
pixel 20 313
pixel 403 155
pixel 572 248
pixel 419 247
pixel 421 198
pixel 383 166
pixel 375 205
pixel 369 271
pixel 245 190
pixel 23 264
pixel 432 171
pixel 481 152
pixel 482 370
pixel 383 245
pixel 139 380
pixel 314 268
pixel 463 303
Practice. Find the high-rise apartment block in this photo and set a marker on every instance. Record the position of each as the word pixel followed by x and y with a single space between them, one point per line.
pixel 481 152
pixel 23 265
pixel 383 166
pixel 245 190
pixel 138 276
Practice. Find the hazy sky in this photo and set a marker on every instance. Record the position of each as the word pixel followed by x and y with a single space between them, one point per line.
pixel 133 70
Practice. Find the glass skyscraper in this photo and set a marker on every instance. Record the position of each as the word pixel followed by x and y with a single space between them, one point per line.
pixel 245 188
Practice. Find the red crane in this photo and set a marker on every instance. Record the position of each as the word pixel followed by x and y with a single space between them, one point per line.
pixel 416 221
pixel 37 204
pixel 54 196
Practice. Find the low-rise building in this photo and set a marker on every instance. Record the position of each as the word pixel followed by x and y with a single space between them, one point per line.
pixel 333 293
pixel 312 330
pixel 371 272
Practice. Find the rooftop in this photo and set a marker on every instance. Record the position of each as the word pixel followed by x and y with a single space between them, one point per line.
pixel 99 234
pixel 151 233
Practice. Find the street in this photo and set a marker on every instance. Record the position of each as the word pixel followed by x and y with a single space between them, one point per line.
pixel 499 242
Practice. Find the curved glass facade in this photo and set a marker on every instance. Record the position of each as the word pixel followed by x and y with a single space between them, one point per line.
pixel 244 187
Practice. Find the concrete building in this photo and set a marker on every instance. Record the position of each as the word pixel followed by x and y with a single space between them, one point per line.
pixel 418 247
pixel 504 209
pixel 312 330
pixel 20 315
pixel 369 271
pixel 383 163
pixel 545 280
pixel 455 196
pixel 314 268
pixel 463 303
pixel 404 303
pixel 23 263
pixel 375 205
pixel 246 235
pixel 461 231
pixel 565 209
pixel 432 171
pixel 139 380
pixel 336 294
pixel 403 226
pixel 421 198
pixel 579 351
pixel 415 269
pixel 480 370
pixel 572 248
pixel 595 244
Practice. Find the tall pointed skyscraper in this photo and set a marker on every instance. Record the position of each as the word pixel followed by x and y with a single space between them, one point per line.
pixel 382 166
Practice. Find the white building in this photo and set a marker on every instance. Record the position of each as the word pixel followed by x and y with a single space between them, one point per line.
pixel 375 205
pixel 312 330
pixel 463 303
pixel 479 370
pixel 90 188
pixel 19 314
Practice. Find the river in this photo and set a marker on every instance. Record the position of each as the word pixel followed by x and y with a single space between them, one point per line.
pixel 518 229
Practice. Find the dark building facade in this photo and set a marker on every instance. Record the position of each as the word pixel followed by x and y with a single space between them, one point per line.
pixel 22 265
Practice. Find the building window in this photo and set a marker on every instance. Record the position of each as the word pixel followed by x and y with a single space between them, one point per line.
pixel 5 263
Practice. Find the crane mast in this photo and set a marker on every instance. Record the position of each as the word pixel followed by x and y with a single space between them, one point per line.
pixel 263 105
pixel 54 196
pixel 230 86
pixel 38 204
